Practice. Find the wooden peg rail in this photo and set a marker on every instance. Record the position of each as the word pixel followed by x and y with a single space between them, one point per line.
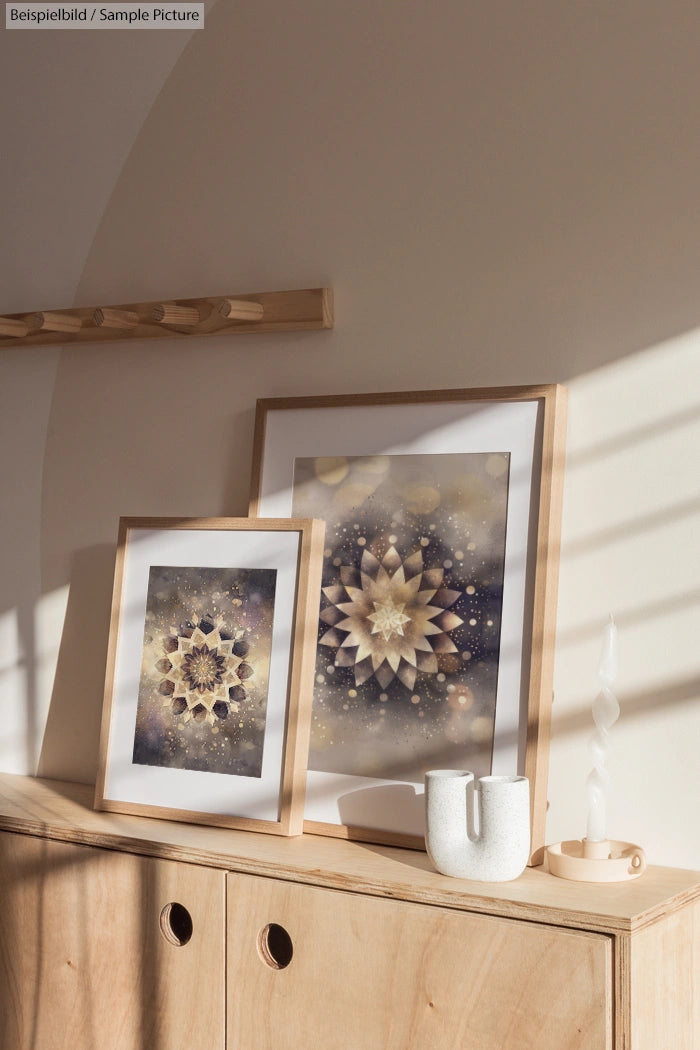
pixel 309 308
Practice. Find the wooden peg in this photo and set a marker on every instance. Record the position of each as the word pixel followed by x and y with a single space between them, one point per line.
pixel 12 329
pixel 302 309
pixel 107 317
pixel 44 321
pixel 241 310
pixel 171 313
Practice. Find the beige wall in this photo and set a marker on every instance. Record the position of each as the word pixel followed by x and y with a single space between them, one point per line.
pixel 500 194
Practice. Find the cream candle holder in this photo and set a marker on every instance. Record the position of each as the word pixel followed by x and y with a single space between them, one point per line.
pixel 605 861
pixel 597 858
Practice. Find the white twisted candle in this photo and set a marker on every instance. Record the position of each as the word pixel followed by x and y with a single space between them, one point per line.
pixel 606 712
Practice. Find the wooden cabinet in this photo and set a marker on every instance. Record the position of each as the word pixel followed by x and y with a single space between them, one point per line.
pixel 142 934
pixel 367 972
pixel 95 953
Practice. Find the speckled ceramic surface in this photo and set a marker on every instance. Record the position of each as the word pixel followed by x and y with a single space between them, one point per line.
pixel 491 845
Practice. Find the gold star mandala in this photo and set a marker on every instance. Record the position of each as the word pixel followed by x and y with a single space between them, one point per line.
pixel 203 671
pixel 390 618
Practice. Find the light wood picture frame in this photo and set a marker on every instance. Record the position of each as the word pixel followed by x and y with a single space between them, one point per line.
pixel 210 671
pixel 437 619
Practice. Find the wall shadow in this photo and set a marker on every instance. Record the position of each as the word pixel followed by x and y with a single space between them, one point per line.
pixel 70 744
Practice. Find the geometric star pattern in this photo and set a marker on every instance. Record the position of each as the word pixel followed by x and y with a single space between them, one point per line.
pixel 389 618
pixel 203 671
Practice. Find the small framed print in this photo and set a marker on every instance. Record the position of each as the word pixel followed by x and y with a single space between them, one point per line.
pixel 210 671
pixel 436 625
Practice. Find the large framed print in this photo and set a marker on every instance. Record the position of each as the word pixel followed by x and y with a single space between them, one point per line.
pixel 437 616
pixel 210 671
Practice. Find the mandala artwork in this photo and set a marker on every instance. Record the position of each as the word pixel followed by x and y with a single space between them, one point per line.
pixel 203 685
pixel 409 628
pixel 389 618
pixel 204 670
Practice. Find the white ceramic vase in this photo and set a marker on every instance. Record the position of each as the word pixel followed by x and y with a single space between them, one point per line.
pixel 491 845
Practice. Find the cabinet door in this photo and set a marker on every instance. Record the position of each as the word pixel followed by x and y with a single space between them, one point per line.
pixel 310 967
pixel 95 952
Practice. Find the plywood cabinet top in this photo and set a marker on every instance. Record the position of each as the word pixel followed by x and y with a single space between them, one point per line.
pixel 64 811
